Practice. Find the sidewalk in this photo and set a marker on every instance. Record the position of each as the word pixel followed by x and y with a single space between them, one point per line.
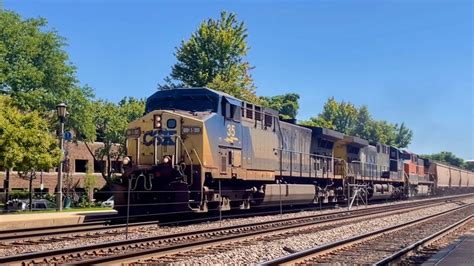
pixel 30 220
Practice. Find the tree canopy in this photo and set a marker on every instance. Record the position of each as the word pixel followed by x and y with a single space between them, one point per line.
pixel 213 57
pixel 36 73
pixel 447 157
pixel 345 117
pixel 25 141
pixel 26 144
pixel 286 104
pixel 469 165
pixel 111 121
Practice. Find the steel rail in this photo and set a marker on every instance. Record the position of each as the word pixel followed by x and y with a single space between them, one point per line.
pixel 403 252
pixel 298 256
pixel 21 230
pixel 128 256
pixel 24 233
pixel 327 218
pixel 43 232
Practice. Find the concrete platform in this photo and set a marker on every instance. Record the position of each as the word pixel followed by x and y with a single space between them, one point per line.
pixel 33 220
pixel 461 252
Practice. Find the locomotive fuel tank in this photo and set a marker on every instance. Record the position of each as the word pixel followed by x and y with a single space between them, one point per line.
pixel 293 193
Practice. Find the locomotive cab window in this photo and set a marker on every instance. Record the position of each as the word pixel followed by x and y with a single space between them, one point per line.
pixel 230 110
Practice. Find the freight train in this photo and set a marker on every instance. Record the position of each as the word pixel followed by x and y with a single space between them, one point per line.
pixel 197 150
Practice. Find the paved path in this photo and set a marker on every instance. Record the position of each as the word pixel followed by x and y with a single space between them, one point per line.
pixel 30 220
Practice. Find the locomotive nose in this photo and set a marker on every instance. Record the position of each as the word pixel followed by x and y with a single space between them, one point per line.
pixel 152 140
pixel 164 137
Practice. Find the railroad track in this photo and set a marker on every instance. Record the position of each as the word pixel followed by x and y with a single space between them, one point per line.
pixel 41 233
pixel 421 250
pixel 381 247
pixel 64 231
pixel 136 248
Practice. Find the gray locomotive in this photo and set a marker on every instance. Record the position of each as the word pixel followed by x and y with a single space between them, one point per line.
pixel 198 149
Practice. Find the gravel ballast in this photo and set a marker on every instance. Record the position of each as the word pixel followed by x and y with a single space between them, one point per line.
pixel 261 251
pixel 153 230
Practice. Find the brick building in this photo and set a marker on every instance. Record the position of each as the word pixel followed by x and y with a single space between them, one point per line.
pixel 78 162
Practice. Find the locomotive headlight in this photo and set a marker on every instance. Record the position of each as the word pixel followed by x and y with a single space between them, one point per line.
pixel 157 121
pixel 166 159
pixel 126 160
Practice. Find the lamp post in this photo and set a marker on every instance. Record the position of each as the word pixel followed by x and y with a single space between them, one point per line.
pixel 61 109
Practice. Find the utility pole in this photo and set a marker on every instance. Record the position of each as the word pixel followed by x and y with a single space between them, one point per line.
pixel 6 184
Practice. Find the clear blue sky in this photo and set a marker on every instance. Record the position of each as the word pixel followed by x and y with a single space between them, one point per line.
pixel 407 60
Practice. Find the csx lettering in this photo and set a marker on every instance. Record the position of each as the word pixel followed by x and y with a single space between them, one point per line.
pixel 162 137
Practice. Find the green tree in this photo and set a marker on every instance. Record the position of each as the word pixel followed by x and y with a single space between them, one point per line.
pixel 339 116
pixel 25 142
pixel 447 157
pixel 132 108
pixel 214 57
pixel 351 120
pixel 403 136
pixel 33 59
pixel 35 72
pixel 469 165
pixel 286 104
pixel 382 131
pixel 90 184
pixel 363 123
pixel 111 122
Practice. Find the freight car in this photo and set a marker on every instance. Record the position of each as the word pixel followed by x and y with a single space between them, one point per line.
pixel 449 178
pixel 197 149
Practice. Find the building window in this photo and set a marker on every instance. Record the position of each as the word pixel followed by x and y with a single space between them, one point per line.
pixel 80 166
pixel 99 166
pixel 117 166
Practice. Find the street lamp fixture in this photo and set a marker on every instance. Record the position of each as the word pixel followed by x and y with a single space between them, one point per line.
pixel 61 109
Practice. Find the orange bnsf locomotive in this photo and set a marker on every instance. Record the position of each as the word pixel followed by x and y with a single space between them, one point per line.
pixel 197 149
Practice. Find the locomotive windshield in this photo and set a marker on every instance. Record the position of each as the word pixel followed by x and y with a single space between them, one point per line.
pixel 193 100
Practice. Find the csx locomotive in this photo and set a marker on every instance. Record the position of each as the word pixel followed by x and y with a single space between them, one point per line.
pixel 197 150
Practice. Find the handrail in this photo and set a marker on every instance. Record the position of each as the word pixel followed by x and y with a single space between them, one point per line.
pixel 304 153
pixel 185 149
pixel 197 157
pixel 189 157
pixel 369 170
